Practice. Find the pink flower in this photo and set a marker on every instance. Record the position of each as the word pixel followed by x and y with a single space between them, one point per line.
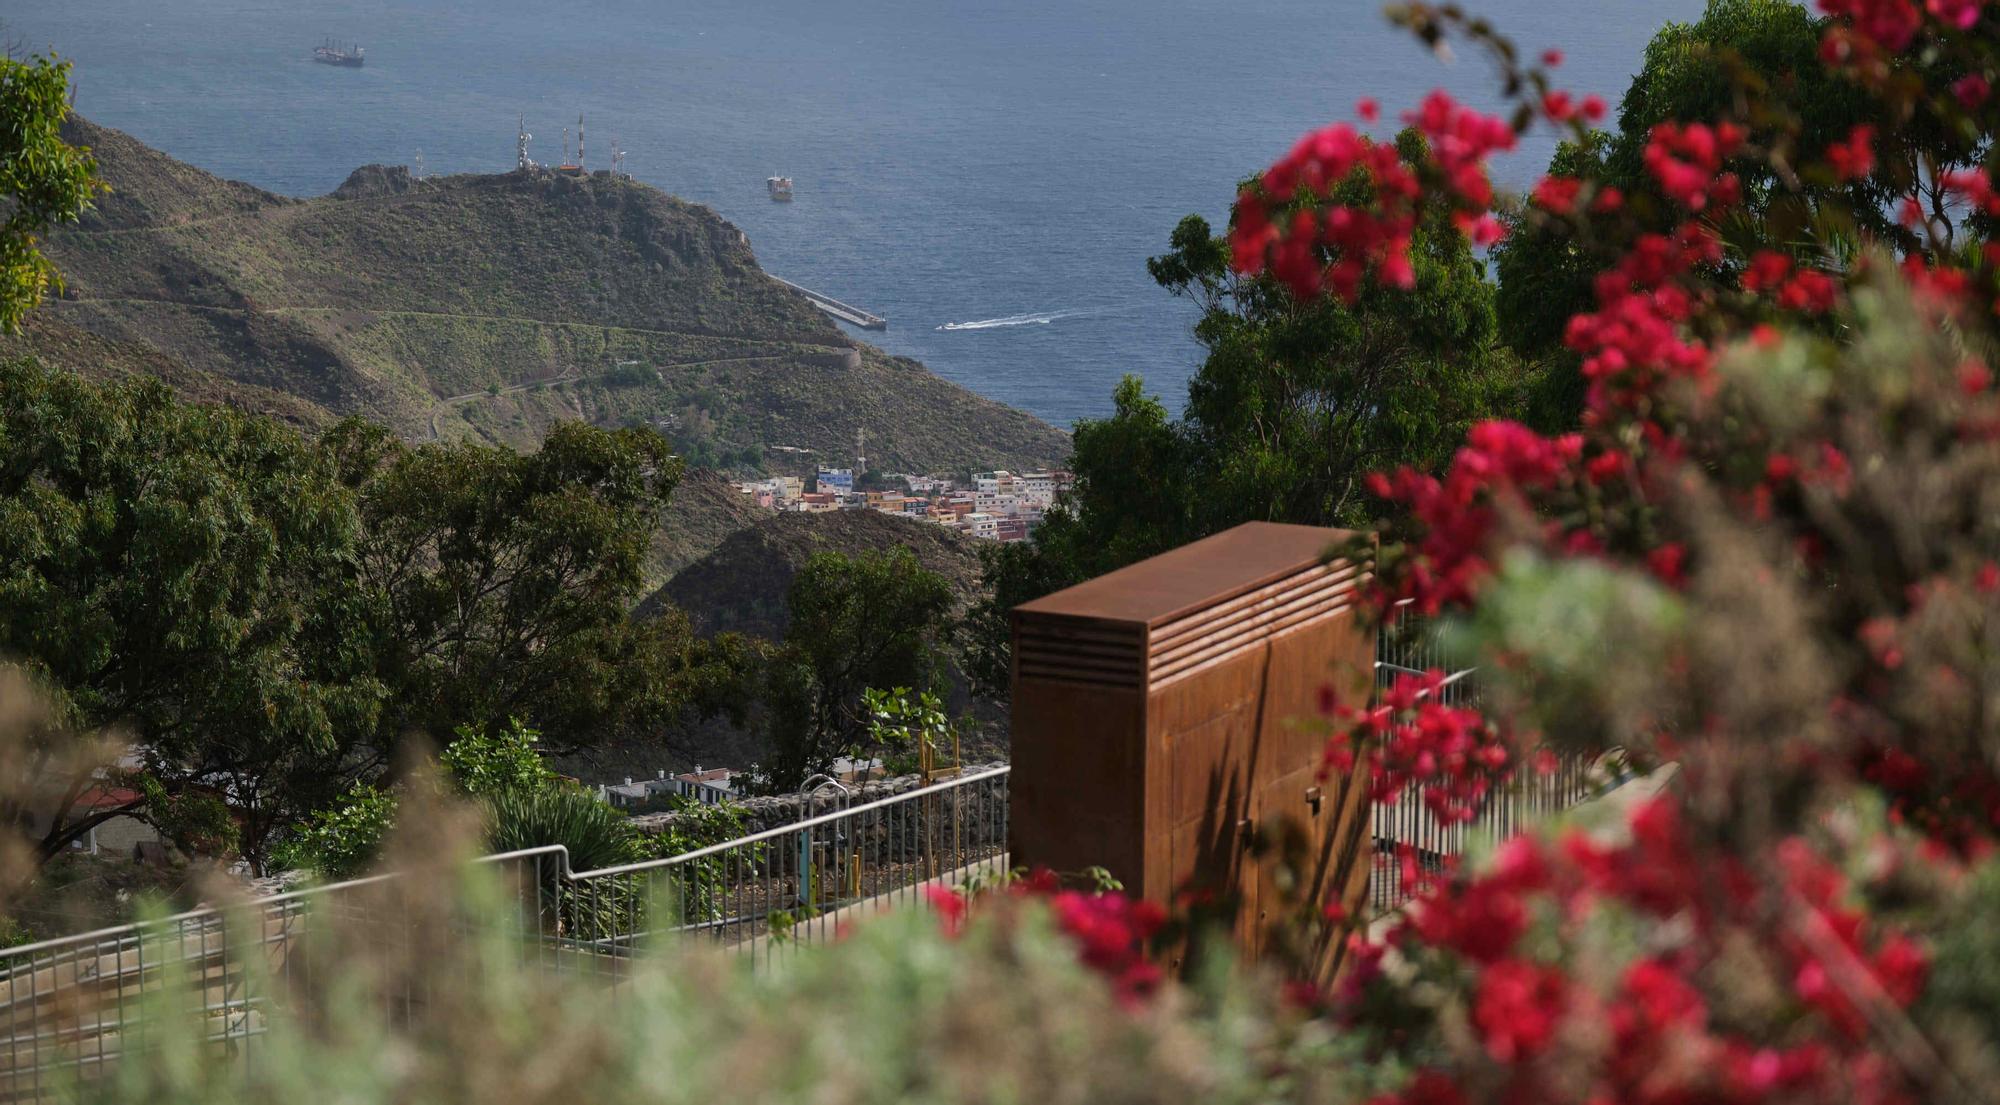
pixel 1959 14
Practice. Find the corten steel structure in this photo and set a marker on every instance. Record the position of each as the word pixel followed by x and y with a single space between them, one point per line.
pixel 1157 720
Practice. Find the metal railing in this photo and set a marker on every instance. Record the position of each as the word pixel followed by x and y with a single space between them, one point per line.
pixel 796 884
pixel 1411 845
pixel 70 1006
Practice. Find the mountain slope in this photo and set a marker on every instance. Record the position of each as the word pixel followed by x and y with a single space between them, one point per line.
pixel 61 345
pixel 741 585
pixel 496 304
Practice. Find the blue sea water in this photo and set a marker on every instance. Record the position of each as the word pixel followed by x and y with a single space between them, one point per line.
pixel 990 176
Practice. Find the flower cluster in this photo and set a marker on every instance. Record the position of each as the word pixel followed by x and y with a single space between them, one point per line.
pixel 1114 932
pixel 1451 756
pixel 1499 463
pixel 1341 207
pixel 1687 159
pixel 1592 969
pixel 1644 1028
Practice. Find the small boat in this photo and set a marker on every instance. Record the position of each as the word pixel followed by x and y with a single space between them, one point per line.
pixel 330 54
pixel 781 188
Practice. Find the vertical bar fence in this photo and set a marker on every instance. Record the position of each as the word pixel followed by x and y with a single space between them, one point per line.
pixel 1409 839
pixel 70 1007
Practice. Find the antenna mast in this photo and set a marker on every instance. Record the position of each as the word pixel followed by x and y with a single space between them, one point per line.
pixel 617 158
pixel 420 165
pixel 579 141
pixel 521 160
pixel 566 160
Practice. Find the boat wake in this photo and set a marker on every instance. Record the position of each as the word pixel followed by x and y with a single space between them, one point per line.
pixel 1039 319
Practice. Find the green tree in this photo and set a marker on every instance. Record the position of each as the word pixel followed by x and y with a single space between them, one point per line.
pixel 185 574
pixel 44 181
pixel 904 726
pixel 879 619
pixel 500 761
pixel 500 582
pixel 1294 404
pixel 340 840
pixel 265 616
pixel 1765 56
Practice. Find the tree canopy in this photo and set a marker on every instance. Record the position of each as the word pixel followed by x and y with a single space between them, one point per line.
pixel 44 181
pixel 267 616
pixel 878 620
pixel 1295 402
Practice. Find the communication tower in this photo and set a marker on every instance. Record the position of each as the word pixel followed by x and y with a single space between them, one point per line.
pixel 579 139
pixel 521 160
pixel 617 157
pixel 418 171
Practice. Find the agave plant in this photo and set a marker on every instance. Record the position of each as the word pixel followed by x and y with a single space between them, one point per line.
pixel 596 836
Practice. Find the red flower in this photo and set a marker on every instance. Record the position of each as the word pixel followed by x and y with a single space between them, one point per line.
pixel 1668 562
pixel 1971 90
pixel 1854 157
pixel 1558 193
pixel 1517 1008
pixel 1766 270
pixel 950 906
pixel 1687 162
pixel 1891 24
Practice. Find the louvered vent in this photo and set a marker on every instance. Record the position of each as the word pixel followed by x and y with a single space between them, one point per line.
pixel 1081 651
pixel 1213 634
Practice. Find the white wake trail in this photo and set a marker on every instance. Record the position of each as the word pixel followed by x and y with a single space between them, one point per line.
pixel 1042 318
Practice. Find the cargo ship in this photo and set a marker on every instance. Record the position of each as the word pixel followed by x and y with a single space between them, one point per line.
pixel 781 188
pixel 331 54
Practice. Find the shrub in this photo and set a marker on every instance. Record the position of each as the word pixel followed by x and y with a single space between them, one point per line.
pixel 500 762
pixel 341 841
pixel 595 834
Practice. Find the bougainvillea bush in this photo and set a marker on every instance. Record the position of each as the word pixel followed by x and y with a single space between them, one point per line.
pixel 1765 566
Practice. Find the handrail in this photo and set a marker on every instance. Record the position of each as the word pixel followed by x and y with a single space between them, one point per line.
pixel 9 956
pixel 794 827
pixel 131 928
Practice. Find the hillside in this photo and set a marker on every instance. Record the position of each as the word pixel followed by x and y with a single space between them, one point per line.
pixel 741 585
pixel 704 511
pixel 62 345
pixel 494 305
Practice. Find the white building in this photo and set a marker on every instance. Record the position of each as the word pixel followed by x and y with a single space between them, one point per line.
pixel 1036 487
pixel 993 483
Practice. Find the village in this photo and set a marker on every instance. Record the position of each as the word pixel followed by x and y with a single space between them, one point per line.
pixel 998 506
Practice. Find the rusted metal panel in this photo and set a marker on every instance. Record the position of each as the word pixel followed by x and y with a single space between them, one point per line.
pixel 1157 720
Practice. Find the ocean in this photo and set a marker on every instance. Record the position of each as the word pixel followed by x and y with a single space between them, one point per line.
pixel 991 177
